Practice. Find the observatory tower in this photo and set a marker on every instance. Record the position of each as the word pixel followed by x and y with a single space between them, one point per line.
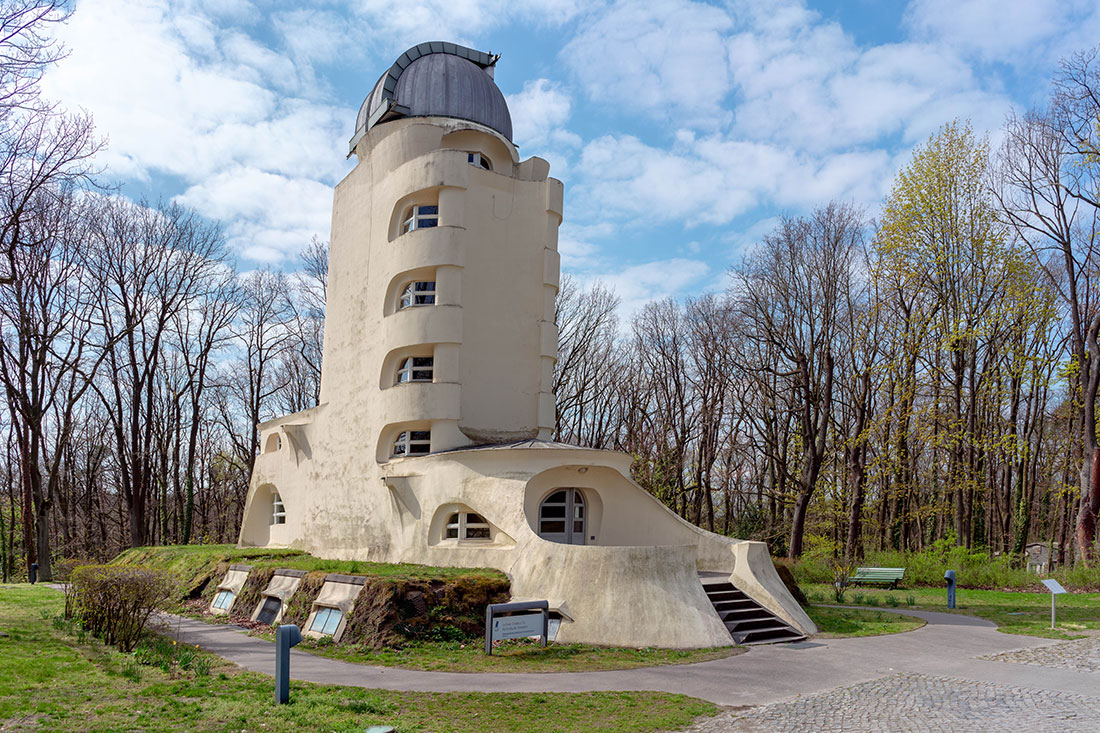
pixel 432 443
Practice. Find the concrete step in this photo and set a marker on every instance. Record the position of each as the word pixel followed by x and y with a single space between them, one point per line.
pixel 747 621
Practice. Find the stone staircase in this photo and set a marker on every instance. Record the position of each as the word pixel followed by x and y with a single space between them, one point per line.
pixel 748 621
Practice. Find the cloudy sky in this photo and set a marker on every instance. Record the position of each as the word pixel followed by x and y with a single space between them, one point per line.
pixel 681 129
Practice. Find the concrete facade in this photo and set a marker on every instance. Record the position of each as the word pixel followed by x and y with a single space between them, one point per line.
pixel 432 440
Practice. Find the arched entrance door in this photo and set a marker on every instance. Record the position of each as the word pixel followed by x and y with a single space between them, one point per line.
pixel 562 517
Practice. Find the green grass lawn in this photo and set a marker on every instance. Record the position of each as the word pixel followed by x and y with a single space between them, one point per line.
pixel 1014 612
pixel 514 656
pixel 838 623
pixel 51 679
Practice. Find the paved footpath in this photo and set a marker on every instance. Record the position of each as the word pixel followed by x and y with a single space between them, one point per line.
pixel 948 647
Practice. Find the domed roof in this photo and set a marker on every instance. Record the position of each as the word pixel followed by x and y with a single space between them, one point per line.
pixel 437 79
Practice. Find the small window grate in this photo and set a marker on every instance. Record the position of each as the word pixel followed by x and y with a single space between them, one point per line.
pixel 224 599
pixel 270 610
pixel 326 620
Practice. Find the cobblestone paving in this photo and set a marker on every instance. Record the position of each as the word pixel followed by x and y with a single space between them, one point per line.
pixel 913 702
pixel 1082 655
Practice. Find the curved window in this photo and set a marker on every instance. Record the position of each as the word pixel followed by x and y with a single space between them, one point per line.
pixel 418 292
pixel 278 511
pixel 274 443
pixel 224 600
pixel 412 443
pixel 466 526
pixel 479 160
pixel 562 517
pixel 416 369
pixel 420 217
pixel 326 620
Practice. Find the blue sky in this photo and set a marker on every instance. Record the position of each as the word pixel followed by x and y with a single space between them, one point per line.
pixel 680 129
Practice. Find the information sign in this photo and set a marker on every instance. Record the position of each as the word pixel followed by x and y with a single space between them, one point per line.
pixel 518 626
pixel 1055 589
pixel 1054 586
pixel 508 621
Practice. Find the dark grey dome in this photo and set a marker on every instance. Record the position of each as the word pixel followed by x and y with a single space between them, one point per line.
pixel 437 80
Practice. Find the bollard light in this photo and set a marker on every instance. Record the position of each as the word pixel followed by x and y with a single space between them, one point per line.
pixel 34 573
pixel 286 636
pixel 949 576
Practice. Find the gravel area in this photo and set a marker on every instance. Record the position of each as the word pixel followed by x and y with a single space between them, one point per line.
pixel 913 702
pixel 1081 655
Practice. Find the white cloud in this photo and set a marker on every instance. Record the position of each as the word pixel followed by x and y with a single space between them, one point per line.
pixel 270 216
pixel 188 95
pixel 1012 31
pixel 398 24
pixel 665 58
pixel 639 284
pixel 538 111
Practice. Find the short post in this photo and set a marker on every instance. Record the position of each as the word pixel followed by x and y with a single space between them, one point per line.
pixel 286 636
pixel 1055 589
pixel 34 573
pixel 949 576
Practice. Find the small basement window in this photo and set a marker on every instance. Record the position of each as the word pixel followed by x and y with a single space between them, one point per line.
pixel 420 292
pixel 466 526
pixel 270 610
pixel 278 511
pixel 413 443
pixel 224 600
pixel 416 369
pixel 479 160
pixel 326 620
pixel 420 217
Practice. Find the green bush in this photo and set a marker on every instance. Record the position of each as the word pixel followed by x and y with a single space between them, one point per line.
pixel 115 602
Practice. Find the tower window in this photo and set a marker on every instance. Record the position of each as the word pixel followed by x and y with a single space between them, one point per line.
pixel 466 526
pixel 412 443
pixel 421 217
pixel 479 160
pixel 419 292
pixel 278 511
pixel 416 369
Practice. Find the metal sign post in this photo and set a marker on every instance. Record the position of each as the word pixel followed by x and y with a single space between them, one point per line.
pixel 1055 589
pixel 507 621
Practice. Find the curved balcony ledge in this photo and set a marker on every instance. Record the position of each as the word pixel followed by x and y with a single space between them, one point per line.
pixel 437 324
pixel 416 401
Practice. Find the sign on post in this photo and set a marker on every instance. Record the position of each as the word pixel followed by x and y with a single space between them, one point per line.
pixel 509 621
pixel 1055 589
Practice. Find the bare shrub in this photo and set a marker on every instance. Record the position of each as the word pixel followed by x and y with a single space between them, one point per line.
pixel 115 602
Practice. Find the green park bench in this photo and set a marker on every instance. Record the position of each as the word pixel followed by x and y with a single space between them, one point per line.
pixel 886 576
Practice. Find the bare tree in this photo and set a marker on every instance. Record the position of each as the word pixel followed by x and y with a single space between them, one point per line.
pixel 791 294
pixel 152 262
pixel 1047 184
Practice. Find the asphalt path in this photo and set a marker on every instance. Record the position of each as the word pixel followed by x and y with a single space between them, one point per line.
pixel 946 646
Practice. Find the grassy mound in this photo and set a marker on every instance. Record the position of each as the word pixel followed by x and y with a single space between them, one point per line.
pixel 398 603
